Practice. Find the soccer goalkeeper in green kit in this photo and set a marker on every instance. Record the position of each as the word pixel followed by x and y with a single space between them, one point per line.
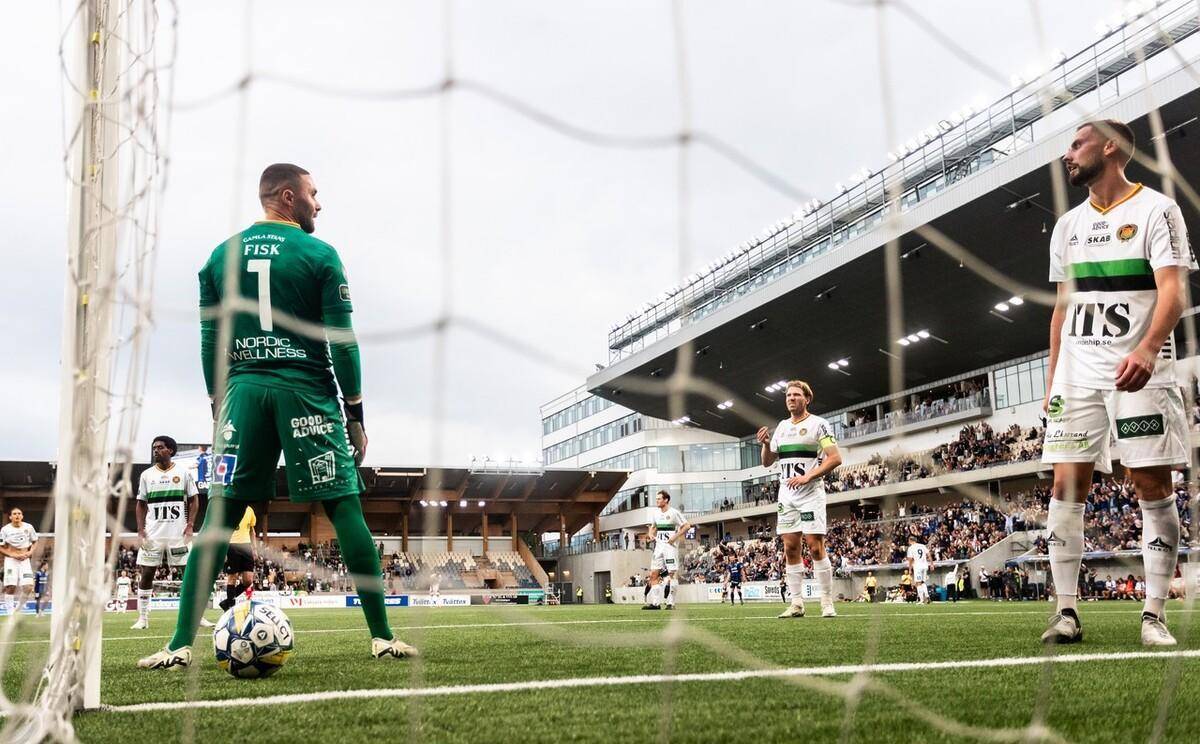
pixel 281 394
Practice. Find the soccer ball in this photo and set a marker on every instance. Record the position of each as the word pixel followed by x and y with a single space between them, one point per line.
pixel 252 639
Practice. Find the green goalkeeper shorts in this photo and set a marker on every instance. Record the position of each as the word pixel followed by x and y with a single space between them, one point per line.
pixel 256 422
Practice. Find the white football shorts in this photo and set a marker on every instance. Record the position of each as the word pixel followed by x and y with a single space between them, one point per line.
pixel 1141 429
pixel 154 550
pixel 805 515
pixel 18 572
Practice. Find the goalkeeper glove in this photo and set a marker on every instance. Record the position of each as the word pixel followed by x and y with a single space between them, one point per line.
pixel 355 430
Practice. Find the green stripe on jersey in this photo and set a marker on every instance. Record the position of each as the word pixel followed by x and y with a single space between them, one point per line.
pixel 172 495
pixel 1120 267
pixel 665 526
pixel 799 450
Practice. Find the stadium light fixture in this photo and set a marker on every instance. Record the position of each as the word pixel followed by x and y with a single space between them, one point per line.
pixel 913 337
pixel 1018 301
pixel 424 502
pixel 923 333
pixel 832 365
pixel 843 362
pixel 482 504
pixel 769 388
pixel 1002 307
pixel 903 341
pixel 444 503
pixel 781 384
pixel 462 503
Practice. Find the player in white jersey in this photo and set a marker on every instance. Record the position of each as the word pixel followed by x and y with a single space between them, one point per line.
pixel 167 500
pixel 121 593
pixel 667 529
pixel 17 540
pixel 918 563
pixel 806 450
pixel 1121 261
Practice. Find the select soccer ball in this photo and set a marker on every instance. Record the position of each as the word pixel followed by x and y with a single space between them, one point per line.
pixel 252 639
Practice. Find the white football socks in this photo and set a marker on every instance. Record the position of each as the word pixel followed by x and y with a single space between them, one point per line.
pixel 674 585
pixel 795 582
pixel 143 603
pixel 1064 528
pixel 1160 550
pixel 823 571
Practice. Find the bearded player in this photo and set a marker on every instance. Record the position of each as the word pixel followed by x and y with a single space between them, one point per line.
pixel 804 446
pixel 1121 260
pixel 281 394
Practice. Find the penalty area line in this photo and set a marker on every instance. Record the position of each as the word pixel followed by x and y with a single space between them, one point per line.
pixel 644 679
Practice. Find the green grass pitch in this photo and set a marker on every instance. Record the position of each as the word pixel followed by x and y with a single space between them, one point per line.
pixel 1084 701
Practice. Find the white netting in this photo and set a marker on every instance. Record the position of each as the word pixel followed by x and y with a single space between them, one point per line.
pixel 115 60
pixel 124 119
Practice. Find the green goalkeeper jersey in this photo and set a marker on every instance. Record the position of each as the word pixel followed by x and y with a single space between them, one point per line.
pixel 285 273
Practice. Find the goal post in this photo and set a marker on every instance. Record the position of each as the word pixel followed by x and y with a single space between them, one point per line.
pixel 81 489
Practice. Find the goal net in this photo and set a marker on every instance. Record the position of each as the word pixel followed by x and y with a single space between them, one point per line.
pixel 117 60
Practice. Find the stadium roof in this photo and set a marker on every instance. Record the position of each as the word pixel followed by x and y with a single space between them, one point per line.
pixel 536 496
pixel 834 307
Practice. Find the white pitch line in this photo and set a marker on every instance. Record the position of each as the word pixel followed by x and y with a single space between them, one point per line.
pixel 648 619
pixel 644 679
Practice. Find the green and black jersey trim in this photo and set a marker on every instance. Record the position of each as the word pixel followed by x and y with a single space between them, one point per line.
pixel 1121 275
pixel 798 450
pixel 179 495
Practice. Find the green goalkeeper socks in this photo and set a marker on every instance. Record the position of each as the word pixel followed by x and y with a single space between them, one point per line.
pixel 207 555
pixel 362 559
pixel 211 545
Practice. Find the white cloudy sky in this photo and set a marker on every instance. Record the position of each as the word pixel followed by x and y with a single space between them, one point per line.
pixel 553 239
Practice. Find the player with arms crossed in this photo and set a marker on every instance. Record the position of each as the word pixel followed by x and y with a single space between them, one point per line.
pixel 167 501
pixel 281 394
pixel 804 446
pixel 1111 370
pixel 666 531
pixel 17 539
pixel 918 563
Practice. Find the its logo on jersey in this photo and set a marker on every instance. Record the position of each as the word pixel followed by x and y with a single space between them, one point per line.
pixel 1126 232
pixel 1113 317
pixel 223 466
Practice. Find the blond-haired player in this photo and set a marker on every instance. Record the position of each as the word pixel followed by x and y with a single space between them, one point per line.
pixel 806 450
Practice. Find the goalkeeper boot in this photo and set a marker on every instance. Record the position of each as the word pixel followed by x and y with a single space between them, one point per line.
pixel 793 610
pixel 395 648
pixel 1154 631
pixel 1064 628
pixel 206 623
pixel 166 658
pixel 142 624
